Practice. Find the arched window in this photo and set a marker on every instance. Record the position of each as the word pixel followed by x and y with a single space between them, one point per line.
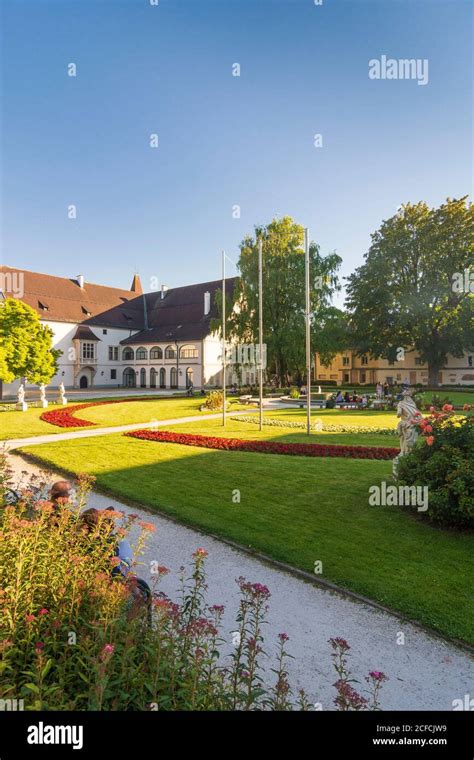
pixel 189 377
pixel 156 353
pixel 127 354
pixel 143 378
pixel 141 354
pixel 162 378
pixel 170 352
pixel 129 380
pixel 173 378
pixel 188 352
pixel 153 374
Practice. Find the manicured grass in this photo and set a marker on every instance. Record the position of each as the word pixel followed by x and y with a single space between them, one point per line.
pixel 296 510
pixel 457 397
pixel 27 424
pixel 250 431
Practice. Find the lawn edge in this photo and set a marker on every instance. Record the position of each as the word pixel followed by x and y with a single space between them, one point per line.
pixel 264 558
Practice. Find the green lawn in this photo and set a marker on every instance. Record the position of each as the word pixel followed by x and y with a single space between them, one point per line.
pixel 294 509
pixel 26 424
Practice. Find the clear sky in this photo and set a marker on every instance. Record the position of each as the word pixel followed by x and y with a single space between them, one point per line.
pixel 223 140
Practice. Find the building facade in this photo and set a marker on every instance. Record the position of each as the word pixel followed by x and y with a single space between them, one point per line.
pixel 111 338
pixel 349 369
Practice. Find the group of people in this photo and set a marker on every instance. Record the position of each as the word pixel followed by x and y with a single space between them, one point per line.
pixel 349 397
pixel 90 521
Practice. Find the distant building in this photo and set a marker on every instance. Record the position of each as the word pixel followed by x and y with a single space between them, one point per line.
pixel 347 369
pixel 112 338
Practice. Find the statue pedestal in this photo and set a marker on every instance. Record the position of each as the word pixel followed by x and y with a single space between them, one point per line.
pixel 44 404
pixel 21 406
pixel 62 400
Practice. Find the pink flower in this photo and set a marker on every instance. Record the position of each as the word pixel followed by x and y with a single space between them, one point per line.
pixel 43 611
pixel 200 553
pixel 39 646
pixel 107 651
pixel 430 440
pixel 377 675
pixel 428 429
pixel 283 637
pixel 30 618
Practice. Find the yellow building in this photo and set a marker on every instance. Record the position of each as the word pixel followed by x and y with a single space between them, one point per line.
pixel 347 369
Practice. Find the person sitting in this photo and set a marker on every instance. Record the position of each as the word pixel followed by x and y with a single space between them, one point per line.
pixel 347 396
pixel 339 398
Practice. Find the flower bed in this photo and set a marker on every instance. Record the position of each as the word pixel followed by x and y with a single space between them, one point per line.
pixel 64 417
pixel 318 425
pixel 266 447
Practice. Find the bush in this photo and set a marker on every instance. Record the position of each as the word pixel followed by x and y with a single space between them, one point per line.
pixel 444 461
pixel 214 400
pixel 72 638
pixel 294 392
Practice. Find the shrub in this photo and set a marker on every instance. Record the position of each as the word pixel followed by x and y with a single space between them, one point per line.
pixel 72 640
pixel 214 400
pixel 444 461
pixel 294 392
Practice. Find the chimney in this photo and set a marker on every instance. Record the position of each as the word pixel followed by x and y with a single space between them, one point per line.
pixel 207 303
pixel 164 288
pixel 80 280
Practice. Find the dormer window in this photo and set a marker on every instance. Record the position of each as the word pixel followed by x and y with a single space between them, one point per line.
pixel 86 311
pixel 43 306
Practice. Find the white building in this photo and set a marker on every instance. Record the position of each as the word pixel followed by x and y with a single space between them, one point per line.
pixel 113 338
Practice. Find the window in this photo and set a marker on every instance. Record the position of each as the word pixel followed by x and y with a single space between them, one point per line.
pixel 418 361
pixel 189 377
pixel 113 353
pixel 43 306
pixel 86 311
pixel 364 360
pixel 141 354
pixel 143 378
pixel 127 354
pixel 162 378
pixel 170 352
pixel 345 361
pixel 156 353
pixel 173 378
pixel 153 378
pixel 188 352
pixel 346 377
pixel 87 350
pixel 113 374
pixel 104 331
pixel 469 361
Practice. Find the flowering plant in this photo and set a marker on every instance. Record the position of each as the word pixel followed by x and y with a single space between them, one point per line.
pixel 266 447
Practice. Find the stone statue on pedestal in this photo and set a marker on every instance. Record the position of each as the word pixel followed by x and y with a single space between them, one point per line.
pixel 43 400
pixel 407 428
pixel 21 405
pixel 62 394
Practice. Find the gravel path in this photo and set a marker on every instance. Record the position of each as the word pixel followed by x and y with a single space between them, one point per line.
pixel 425 672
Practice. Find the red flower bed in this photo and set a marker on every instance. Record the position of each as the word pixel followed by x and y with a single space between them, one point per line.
pixel 64 418
pixel 266 447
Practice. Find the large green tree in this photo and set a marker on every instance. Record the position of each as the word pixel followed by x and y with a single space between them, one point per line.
pixel 284 298
pixel 26 346
pixel 407 294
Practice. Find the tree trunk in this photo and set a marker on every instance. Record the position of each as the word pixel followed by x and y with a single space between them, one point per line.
pixel 433 374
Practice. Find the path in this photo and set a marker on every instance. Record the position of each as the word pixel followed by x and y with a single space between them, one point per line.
pixel 425 672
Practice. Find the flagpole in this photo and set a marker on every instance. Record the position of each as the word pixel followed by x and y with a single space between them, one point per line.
pixel 308 332
pixel 260 330
pixel 223 339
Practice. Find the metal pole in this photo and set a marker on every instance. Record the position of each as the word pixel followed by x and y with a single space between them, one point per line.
pixel 308 333
pixel 260 331
pixel 223 339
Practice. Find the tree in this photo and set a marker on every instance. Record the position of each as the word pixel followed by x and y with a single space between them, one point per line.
pixel 407 295
pixel 283 297
pixel 25 344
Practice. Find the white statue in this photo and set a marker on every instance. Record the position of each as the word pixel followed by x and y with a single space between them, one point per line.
pixel 62 394
pixel 43 400
pixel 407 428
pixel 21 405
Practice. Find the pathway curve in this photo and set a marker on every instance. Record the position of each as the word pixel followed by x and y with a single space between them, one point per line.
pixel 426 673
pixel 16 443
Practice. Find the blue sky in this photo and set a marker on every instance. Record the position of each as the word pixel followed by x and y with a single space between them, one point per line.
pixel 223 140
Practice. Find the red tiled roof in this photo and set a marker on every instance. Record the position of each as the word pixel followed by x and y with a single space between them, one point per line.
pixel 62 300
